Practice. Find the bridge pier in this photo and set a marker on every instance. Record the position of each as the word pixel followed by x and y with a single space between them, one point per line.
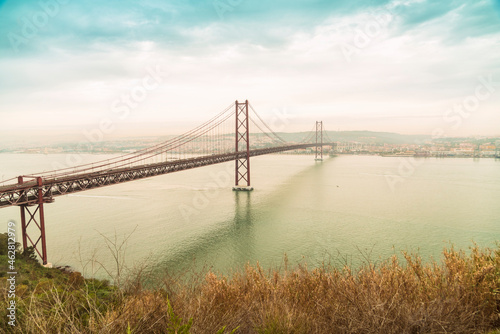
pixel 242 148
pixel 242 188
pixel 39 245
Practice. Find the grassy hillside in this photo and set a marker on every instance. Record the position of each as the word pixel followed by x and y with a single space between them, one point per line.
pixel 459 295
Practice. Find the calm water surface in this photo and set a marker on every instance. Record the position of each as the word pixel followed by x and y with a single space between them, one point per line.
pixel 344 208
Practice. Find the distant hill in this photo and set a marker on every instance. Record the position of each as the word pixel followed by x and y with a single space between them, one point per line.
pixel 366 137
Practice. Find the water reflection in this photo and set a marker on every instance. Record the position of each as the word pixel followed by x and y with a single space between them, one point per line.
pixel 243 227
pixel 231 242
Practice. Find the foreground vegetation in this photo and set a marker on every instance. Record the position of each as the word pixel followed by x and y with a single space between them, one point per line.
pixel 459 295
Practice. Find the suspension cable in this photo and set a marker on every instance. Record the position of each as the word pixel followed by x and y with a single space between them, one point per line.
pixel 274 133
pixel 139 153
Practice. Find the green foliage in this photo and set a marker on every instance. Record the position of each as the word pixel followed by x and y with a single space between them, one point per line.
pixel 47 299
pixel 176 324
pixel 223 330
pixel 4 242
pixel 29 254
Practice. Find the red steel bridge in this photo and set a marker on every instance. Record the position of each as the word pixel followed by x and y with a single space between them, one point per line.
pixel 225 137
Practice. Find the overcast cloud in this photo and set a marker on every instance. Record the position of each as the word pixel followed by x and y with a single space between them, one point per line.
pixel 394 66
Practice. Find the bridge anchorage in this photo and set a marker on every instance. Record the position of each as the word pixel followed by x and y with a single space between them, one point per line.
pixel 221 139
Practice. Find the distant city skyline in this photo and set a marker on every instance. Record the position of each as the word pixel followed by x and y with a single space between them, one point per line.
pixel 163 67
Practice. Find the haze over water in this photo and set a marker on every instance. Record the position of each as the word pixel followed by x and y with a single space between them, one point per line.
pixel 338 209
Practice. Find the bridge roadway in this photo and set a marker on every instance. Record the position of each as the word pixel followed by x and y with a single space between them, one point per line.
pixel 27 192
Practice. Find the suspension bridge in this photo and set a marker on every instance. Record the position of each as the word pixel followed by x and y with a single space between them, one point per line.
pixel 225 137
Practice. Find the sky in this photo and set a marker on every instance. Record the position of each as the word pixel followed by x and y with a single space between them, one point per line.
pixel 133 68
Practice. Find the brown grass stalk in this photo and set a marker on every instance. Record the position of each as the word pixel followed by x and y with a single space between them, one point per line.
pixel 461 294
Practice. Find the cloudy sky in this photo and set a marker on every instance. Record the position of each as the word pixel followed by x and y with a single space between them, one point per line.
pixel 163 66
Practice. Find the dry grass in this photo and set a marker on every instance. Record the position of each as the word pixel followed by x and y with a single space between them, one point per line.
pixel 459 295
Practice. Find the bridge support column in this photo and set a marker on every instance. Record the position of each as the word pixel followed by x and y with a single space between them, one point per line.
pixel 39 245
pixel 242 148
pixel 319 141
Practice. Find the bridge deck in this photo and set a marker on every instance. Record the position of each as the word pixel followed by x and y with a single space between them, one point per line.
pixel 27 193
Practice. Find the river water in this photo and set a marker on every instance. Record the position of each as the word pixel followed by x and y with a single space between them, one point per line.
pixel 344 209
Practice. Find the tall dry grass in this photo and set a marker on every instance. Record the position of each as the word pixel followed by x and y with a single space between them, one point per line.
pixel 461 294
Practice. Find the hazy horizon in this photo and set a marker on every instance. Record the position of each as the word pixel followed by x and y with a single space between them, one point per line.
pixel 47 140
pixel 163 67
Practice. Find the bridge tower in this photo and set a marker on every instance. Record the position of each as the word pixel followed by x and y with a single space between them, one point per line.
pixel 242 149
pixel 40 244
pixel 319 141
